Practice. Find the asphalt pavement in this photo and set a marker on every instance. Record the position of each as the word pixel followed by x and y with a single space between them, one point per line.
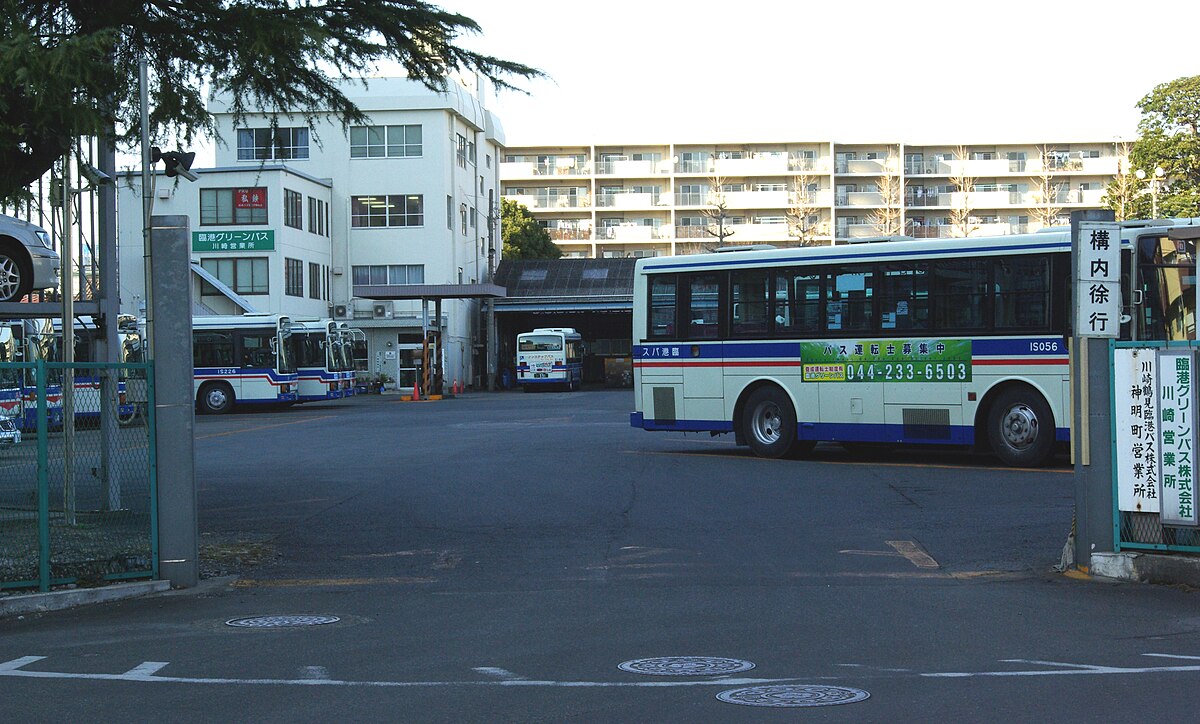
pixel 531 557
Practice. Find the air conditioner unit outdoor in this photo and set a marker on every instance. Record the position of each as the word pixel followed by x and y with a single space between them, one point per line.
pixel 381 310
pixel 340 311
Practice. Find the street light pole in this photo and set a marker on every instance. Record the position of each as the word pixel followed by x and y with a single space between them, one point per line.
pixel 1155 180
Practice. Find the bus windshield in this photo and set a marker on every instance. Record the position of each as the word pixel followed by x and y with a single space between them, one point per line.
pixel 540 343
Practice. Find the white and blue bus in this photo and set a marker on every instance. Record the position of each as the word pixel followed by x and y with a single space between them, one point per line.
pixel 550 357
pixel 242 359
pixel 951 341
pixel 322 360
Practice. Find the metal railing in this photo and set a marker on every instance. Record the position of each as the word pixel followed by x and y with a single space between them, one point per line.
pixel 78 500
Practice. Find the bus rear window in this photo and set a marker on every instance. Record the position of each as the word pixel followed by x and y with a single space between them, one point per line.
pixel 540 343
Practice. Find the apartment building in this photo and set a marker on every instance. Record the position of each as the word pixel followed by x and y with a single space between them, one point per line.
pixel 358 224
pixel 667 198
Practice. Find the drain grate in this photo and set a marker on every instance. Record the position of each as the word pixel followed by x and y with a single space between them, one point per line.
pixel 793 695
pixel 686 666
pixel 280 621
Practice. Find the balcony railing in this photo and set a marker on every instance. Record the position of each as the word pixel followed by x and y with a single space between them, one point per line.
pixel 629 200
pixel 551 202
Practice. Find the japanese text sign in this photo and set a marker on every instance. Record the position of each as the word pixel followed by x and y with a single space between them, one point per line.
pixel 1177 437
pixel 1097 254
pixel 1135 418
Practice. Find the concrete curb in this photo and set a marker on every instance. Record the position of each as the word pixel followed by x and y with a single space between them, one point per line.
pixel 1147 568
pixel 69 598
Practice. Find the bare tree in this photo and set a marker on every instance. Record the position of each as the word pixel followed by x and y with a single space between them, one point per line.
pixel 960 201
pixel 717 211
pixel 1045 190
pixel 1123 191
pixel 888 217
pixel 803 212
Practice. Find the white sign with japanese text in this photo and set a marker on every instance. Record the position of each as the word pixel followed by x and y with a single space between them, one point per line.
pixel 1177 437
pixel 1135 418
pixel 1098 280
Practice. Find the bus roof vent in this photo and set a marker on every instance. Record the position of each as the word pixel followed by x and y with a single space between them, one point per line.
pixel 747 247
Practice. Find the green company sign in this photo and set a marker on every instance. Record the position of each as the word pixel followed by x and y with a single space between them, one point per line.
pixel 894 360
pixel 233 240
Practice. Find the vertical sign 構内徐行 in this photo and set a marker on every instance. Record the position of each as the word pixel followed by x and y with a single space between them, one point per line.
pixel 1098 280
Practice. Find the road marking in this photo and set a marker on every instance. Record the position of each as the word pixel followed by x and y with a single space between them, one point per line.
pixel 13 669
pixel 915 554
pixel 264 427
pixel 146 668
pixel 503 674
pixel 1070 669
pixel 298 582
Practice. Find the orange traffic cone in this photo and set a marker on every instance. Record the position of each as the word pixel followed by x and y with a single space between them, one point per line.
pixel 416 393
pixel 454 387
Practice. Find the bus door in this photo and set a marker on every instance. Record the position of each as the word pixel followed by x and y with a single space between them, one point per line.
pixel 851 392
pixel 1165 296
pixel 703 359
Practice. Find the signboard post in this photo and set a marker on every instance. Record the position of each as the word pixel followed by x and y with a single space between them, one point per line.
pixel 1135 397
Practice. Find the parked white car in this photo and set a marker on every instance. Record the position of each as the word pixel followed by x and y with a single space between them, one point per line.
pixel 27 262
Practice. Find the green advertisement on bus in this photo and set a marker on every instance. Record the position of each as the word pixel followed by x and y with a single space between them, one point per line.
pixel 887 360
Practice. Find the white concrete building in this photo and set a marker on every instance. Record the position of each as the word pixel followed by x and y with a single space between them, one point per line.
pixel 315 221
pixel 656 198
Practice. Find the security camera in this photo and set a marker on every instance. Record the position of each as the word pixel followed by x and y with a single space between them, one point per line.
pixel 176 163
pixel 186 173
pixel 94 176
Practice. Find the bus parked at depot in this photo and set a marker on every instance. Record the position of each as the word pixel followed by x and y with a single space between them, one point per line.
pixel 242 359
pixel 949 341
pixel 550 357
pixel 324 368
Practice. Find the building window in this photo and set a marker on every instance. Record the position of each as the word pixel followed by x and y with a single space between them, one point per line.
pixel 381 211
pixel 462 215
pixel 293 277
pixel 389 274
pixel 244 275
pixel 314 280
pixel 318 216
pixel 229 207
pixel 450 213
pixel 293 209
pixel 385 141
pixel 267 144
pixel 462 150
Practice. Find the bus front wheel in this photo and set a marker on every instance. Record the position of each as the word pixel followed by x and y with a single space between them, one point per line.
pixel 216 398
pixel 1021 428
pixel 769 424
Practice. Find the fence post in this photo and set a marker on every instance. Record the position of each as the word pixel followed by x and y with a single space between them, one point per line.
pixel 43 478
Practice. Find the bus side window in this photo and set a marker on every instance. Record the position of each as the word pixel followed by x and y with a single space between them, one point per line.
pixel 1022 293
pixel 662 307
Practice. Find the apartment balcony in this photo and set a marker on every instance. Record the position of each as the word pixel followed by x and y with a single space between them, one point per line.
pixel 630 200
pixel 529 169
pixel 857 231
pixel 758 233
pixel 1084 197
pixel 859 166
pixel 569 234
pixel 756 199
pixel 630 232
pixel 817 167
pixel 860 198
pixel 761 165
pixel 632 169
pixel 543 203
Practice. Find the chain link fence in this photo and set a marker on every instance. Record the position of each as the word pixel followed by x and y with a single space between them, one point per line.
pixel 77 484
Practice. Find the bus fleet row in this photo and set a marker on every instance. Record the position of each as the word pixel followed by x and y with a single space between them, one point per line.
pixel 238 359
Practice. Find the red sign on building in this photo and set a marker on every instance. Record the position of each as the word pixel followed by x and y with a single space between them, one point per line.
pixel 254 198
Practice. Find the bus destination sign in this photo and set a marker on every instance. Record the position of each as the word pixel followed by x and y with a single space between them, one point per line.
pixel 888 360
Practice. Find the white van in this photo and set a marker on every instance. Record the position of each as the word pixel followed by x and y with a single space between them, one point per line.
pixel 26 260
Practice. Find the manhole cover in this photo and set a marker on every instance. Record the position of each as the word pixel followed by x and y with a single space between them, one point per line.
pixel 280 621
pixel 686 666
pixel 793 695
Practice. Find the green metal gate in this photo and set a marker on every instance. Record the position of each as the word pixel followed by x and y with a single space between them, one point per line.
pixel 78 500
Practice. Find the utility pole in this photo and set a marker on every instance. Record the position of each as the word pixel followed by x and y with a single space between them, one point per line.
pixel 492 352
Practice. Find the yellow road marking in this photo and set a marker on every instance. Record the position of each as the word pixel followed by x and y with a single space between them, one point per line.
pixel 264 427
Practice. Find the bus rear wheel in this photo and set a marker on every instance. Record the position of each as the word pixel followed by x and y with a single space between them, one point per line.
pixel 769 424
pixel 1021 428
pixel 216 398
